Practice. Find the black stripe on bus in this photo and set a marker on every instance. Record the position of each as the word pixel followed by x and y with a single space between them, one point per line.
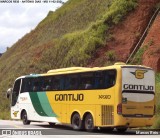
pixel 137 91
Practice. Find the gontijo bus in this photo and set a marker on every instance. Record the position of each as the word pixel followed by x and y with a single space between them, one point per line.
pixel 119 96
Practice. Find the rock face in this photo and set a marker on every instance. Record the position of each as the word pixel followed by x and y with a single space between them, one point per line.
pixel 126 34
pixel 151 56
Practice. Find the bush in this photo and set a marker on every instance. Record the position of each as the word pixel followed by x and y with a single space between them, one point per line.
pixel 111 55
pixel 157 121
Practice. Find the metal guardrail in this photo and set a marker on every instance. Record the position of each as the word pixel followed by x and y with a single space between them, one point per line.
pixel 139 44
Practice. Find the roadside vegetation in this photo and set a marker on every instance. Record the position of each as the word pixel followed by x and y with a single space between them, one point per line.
pixel 157 119
pixel 139 55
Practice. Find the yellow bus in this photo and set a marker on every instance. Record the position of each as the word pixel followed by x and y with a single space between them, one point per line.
pixel 119 96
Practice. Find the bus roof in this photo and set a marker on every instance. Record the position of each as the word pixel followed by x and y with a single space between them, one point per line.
pixel 71 70
pixel 67 69
pixel 88 69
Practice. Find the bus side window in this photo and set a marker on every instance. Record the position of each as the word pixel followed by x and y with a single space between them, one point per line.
pixel 110 78
pixel 26 85
pixel 81 83
pixel 99 80
pixel 62 82
pixel 67 82
pixel 46 83
pixel 35 87
pixel 88 84
pixel 71 82
pixel 101 83
pixel 87 81
pixel 55 83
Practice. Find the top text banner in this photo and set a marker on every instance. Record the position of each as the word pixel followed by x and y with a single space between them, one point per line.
pixel 31 1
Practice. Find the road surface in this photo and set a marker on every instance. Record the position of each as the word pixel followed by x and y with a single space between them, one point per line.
pixel 16 127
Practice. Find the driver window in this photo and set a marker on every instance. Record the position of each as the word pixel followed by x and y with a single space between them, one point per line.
pixel 16 91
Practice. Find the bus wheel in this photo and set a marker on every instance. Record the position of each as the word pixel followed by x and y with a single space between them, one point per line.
pixel 76 122
pixel 52 124
pixel 89 123
pixel 122 130
pixel 24 118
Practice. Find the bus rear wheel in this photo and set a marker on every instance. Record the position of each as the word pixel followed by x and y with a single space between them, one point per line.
pixel 89 123
pixel 25 118
pixel 77 122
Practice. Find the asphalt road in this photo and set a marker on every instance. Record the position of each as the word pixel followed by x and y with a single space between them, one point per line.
pixel 16 127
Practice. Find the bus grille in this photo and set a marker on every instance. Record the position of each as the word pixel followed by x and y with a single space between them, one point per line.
pixel 107 115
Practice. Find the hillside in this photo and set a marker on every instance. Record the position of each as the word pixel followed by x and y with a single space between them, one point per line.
pixel 73 32
pixel 149 53
pixel 125 35
pixel 80 33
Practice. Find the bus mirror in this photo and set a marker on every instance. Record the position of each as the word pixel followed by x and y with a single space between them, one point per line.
pixel 9 91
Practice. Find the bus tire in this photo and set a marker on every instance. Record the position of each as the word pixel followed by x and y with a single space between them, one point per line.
pixel 122 130
pixel 52 124
pixel 89 123
pixel 25 118
pixel 76 122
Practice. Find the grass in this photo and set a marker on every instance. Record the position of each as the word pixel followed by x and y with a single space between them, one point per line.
pixel 111 56
pixel 6 106
pixel 139 55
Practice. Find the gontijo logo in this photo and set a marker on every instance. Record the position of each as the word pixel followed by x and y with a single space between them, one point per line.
pixel 139 74
pixel 15 113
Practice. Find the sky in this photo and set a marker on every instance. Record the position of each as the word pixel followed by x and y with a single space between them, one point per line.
pixel 18 19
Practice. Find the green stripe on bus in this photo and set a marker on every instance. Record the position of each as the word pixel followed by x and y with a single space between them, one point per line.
pixel 36 104
pixel 45 104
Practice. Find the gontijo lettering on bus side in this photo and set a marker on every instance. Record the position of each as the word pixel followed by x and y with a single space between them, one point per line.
pixel 69 97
